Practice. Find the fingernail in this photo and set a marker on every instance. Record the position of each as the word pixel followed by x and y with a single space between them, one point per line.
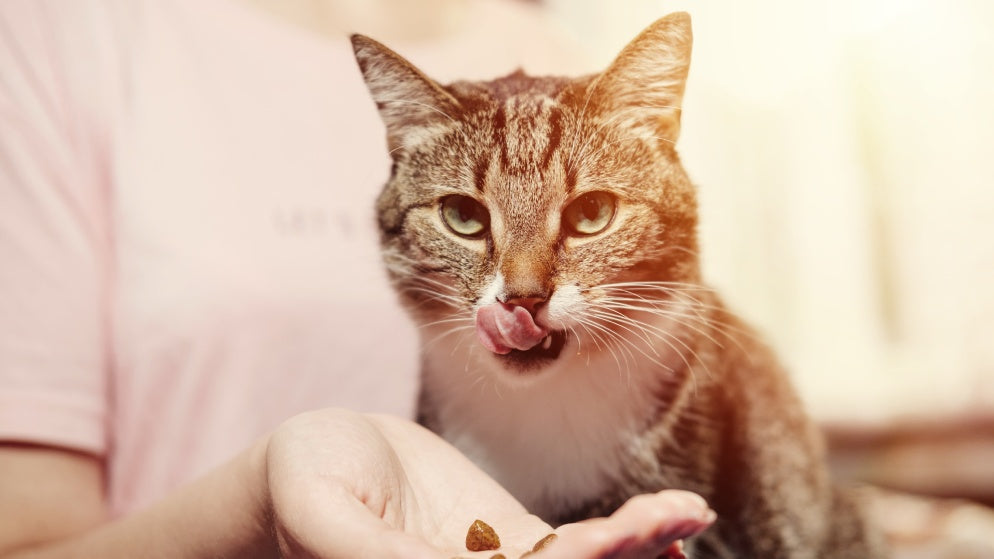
pixel 688 527
pixel 696 500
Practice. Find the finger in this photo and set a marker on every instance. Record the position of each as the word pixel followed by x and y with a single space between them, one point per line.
pixel 666 516
pixel 643 527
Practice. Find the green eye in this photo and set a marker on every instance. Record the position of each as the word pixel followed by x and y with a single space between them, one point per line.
pixel 465 216
pixel 589 214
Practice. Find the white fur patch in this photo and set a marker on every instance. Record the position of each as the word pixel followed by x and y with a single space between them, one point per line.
pixel 491 293
pixel 555 438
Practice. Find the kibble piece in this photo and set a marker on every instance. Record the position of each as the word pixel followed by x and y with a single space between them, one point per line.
pixel 481 537
pixel 540 544
pixel 498 556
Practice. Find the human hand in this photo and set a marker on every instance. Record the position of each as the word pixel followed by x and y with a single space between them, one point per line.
pixel 351 486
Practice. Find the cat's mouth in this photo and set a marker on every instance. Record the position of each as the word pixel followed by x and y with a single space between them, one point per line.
pixel 547 350
pixel 514 336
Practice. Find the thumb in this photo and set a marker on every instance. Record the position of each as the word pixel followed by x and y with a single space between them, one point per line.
pixel 645 526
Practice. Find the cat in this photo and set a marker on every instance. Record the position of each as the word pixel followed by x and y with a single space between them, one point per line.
pixel 542 233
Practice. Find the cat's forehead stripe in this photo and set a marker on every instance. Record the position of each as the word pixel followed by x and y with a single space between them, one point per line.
pixel 530 137
pixel 555 135
pixel 524 143
pixel 480 173
pixel 500 135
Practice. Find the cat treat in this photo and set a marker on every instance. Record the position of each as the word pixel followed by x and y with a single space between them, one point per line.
pixel 481 537
pixel 542 543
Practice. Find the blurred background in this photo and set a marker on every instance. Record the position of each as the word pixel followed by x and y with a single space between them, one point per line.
pixel 844 153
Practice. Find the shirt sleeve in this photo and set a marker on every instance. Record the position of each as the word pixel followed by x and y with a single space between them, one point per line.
pixel 54 239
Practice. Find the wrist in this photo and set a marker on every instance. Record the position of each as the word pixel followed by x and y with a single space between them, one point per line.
pixel 255 479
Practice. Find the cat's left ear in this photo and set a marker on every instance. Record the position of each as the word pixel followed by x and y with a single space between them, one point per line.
pixel 411 105
pixel 643 88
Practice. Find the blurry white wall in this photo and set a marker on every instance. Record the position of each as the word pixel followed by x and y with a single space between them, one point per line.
pixel 845 157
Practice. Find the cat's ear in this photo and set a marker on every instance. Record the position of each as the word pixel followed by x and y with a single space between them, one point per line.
pixel 643 87
pixel 410 103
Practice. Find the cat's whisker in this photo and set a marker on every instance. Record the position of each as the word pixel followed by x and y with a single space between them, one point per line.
pixel 645 296
pixel 462 339
pixel 438 338
pixel 672 314
pixel 706 314
pixel 619 319
pixel 656 294
pixel 634 286
pixel 603 321
pixel 402 266
pixel 732 333
pixel 715 325
pixel 575 336
pixel 592 328
pixel 429 290
pixel 429 299
pixel 481 382
pixel 425 290
pixel 679 291
pixel 614 345
pixel 422 275
pixel 671 340
pixel 659 296
pixel 665 283
pixel 643 335
pixel 679 304
pixel 481 378
pixel 579 343
pixel 696 322
pixel 442 289
pixel 450 320
pixel 413 273
pixel 496 388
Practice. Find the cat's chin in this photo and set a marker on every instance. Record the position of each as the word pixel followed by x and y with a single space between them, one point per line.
pixel 536 359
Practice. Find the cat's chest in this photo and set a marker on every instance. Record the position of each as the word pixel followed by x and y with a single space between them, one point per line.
pixel 555 443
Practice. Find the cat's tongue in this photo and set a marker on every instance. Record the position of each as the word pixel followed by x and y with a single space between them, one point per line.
pixel 502 328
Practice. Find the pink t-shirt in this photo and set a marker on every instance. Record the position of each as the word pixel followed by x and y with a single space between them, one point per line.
pixel 188 253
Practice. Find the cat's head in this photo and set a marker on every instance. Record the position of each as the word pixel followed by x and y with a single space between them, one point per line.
pixel 540 213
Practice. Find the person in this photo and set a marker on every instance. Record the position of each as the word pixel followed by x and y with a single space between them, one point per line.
pixel 199 353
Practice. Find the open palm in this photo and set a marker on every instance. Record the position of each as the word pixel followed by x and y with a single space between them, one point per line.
pixel 351 486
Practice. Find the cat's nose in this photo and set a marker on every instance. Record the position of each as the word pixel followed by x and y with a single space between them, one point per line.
pixel 530 303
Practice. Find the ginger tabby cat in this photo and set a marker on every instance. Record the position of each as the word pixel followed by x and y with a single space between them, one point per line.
pixel 542 233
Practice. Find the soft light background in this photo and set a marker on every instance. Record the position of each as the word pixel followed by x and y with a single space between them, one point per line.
pixel 845 157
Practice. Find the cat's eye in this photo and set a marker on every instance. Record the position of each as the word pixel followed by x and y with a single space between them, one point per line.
pixel 465 216
pixel 589 214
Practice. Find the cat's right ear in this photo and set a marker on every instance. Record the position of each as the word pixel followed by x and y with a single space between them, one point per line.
pixel 643 88
pixel 411 105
